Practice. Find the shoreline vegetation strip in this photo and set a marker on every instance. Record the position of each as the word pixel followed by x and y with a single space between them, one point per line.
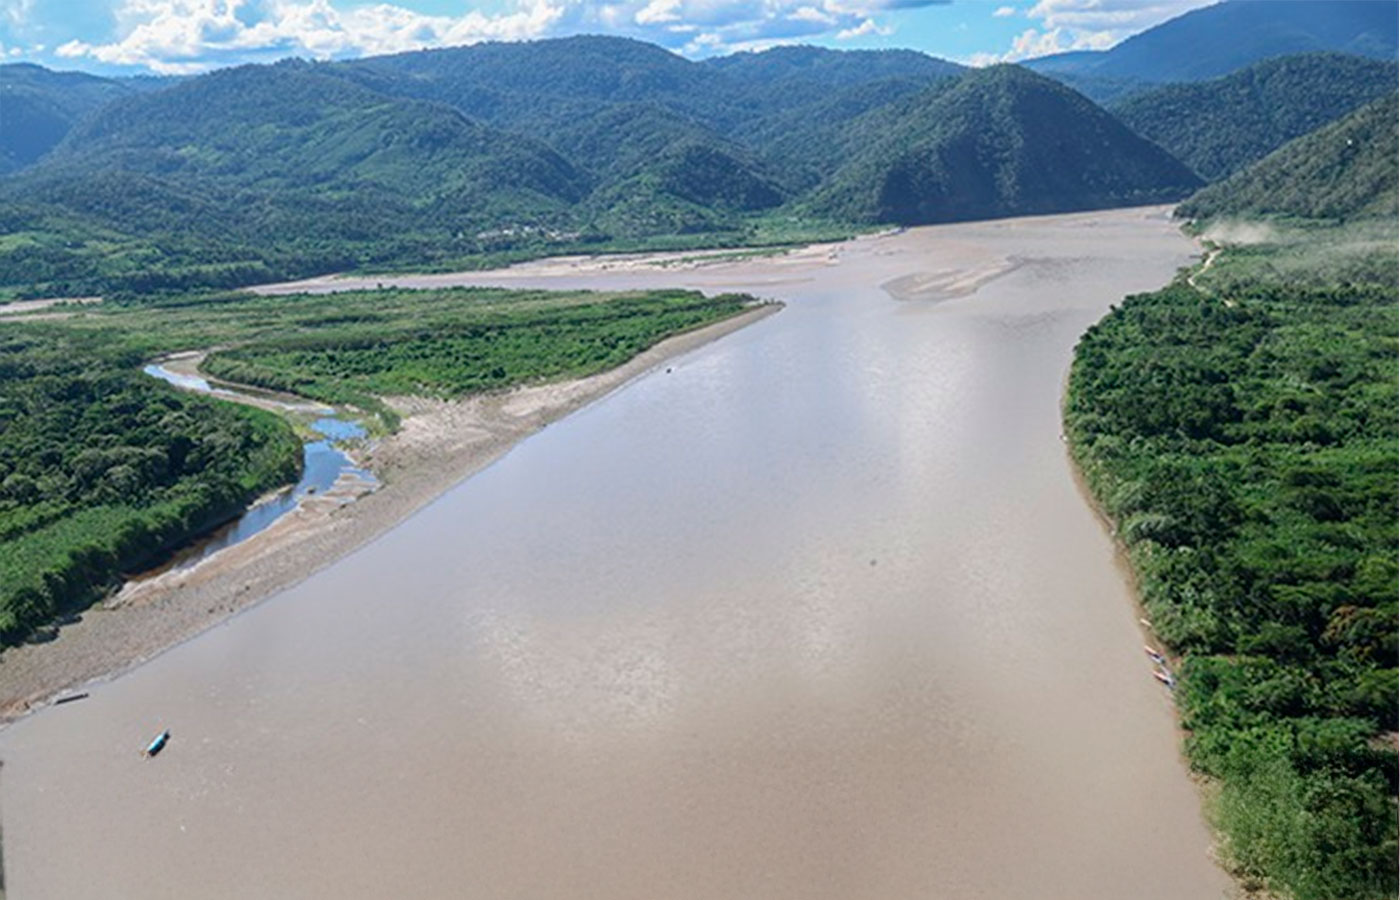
pixel 1241 433
pixel 104 470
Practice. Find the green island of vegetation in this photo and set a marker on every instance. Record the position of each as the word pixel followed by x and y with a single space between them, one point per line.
pixel 1240 428
pixel 105 470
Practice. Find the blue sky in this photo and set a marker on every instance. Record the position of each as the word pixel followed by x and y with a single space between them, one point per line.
pixel 181 36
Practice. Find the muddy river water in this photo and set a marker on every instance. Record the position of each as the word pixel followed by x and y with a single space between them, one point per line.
pixel 816 612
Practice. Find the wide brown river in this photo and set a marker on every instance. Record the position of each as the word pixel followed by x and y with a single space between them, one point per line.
pixel 817 613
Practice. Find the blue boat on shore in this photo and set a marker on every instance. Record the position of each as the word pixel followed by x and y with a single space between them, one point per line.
pixel 158 744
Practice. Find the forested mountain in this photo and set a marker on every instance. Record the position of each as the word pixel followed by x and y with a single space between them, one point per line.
pixel 439 156
pixel 1218 127
pixel 434 158
pixel 1001 141
pixel 784 74
pixel 623 110
pixel 516 85
pixel 38 107
pixel 538 85
pixel 1216 40
pixel 260 171
pixel 1344 170
pixel 294 128
pixel 809 139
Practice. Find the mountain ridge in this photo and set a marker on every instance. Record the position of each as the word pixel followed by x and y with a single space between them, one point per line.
pixel 437 158
pixel 1002 141
pixel 1344 170
pixel 1215 40
pixel 1217 127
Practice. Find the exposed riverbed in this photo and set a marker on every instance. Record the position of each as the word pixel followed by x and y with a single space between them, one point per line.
pixel 815 611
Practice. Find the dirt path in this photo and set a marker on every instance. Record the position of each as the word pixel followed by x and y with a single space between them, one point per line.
pixel 1211 255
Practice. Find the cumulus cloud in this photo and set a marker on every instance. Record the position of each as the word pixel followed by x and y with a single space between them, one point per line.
pixel 867 27
pixel 1085 25
pixel 658 11
pixel 182 36
pixel 1001 12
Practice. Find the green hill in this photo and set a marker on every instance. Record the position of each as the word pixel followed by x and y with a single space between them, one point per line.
pixel 537 85
pixel 808 139
pixel 787 77
pixel 1001 141
pixel 830 68
pixel 1345 170
pixel 38 108
pixel 668 144
pixel 440 157
pixel 289 127
pixel 258 172
pixel 1220 126
pixel 622 110
pixel 608 69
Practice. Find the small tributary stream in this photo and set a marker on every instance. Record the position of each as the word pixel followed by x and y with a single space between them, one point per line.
pixel 323 463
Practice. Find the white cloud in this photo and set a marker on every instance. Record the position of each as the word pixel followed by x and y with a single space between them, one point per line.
pixel 658 11
pixel 866 27
pixel 812 14
pixel 704 44
pixel 1085 25
pixel 1031 43
pixel 181 36
pixel 1001 12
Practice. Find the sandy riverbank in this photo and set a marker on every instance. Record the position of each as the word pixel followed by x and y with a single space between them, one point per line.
pixel 49 308
pixel 776 260
pixel 950 283
pixel 439 444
